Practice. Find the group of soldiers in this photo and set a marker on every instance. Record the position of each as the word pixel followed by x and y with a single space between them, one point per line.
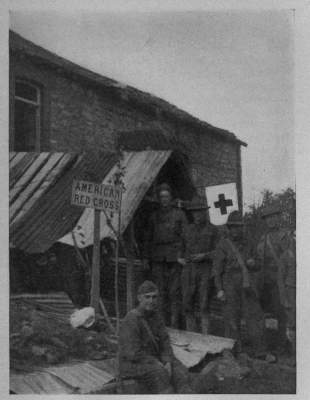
pixel 182 260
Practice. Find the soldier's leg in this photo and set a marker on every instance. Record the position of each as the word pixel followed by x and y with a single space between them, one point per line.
pixel 232 306
pixel 154 378
pixel 291 317
pixel 280 315
pixel 158 277
pixel 204 279
pixel 175 293
pixel 180 378
pixel 187 297
pixel 254 318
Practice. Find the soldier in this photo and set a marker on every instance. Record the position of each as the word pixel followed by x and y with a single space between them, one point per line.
pixel 269 251
pixel 164 248
pixel 288 277
pixel 145 353
pixel 200 245
pixel 235 283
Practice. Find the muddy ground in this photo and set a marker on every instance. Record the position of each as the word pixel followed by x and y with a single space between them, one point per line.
pixel 36 340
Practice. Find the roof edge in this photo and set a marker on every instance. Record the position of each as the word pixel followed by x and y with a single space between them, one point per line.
pixel 19 43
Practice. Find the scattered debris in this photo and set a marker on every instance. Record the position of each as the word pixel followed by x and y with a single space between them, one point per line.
pixel 42 338
pixel 84 317
pixel 226 366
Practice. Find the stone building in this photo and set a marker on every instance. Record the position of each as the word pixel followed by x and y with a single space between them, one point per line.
pixel 56 105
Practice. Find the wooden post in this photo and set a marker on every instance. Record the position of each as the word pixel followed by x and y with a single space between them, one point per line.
pixel 118 238
pixel 130 270
pixel 95 273
pixel 130 278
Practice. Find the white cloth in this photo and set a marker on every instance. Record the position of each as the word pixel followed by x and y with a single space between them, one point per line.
pixel 84 317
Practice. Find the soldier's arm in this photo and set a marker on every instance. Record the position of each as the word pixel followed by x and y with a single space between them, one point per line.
pixel 282 272
pixel 219 264
pixel 148 238
pixel 214 240
pixel 130 343
pixel 166 353
pixel 187 254
pixel 259 252
pixel 184 230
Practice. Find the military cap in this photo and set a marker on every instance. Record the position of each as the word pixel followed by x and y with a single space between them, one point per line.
pixel 235 218
pixel 271 210
pixel 147 287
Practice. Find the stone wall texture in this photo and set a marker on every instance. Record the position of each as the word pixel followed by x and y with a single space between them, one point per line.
pixel 78 116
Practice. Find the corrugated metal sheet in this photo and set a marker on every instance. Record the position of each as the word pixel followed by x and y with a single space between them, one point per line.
pixel 82 376
pixel 78 378
pixel 57 306
pixel 40 195
pixel 141 170
pixel 191 347
pixel 38 383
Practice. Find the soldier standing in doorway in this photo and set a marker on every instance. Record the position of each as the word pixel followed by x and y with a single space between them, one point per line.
pixel 235 272
pixel 200 245
pixel 270 248
pixel 164 249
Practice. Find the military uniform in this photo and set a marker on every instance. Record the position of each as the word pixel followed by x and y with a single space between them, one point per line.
pixel 142 354
pixel 196 274
pixel 271 289
pixel 288 277
pixel 239 301
pixel 164 244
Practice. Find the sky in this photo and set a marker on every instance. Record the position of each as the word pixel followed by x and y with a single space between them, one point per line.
pixel 234 70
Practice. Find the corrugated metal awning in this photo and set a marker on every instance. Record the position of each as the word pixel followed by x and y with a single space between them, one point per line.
pixel 40 195
pixel 141 169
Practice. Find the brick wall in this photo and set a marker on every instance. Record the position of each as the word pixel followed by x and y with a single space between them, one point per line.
pixel 78 116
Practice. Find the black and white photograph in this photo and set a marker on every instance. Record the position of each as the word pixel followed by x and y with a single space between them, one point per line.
pixel 152 201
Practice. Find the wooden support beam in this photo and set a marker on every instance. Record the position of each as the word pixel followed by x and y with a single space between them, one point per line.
pixel 130 275
pixel 95 273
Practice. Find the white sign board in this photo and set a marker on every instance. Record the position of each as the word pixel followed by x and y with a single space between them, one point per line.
pixel 95 195
pixel 222 200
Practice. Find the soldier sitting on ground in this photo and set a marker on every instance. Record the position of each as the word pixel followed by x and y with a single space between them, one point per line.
pixel 145 351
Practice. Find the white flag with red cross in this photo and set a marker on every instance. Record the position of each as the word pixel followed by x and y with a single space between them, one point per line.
pixel 222 200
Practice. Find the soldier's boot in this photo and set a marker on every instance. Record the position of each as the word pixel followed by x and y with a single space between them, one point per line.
pixel 205 324
pixel 191 325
